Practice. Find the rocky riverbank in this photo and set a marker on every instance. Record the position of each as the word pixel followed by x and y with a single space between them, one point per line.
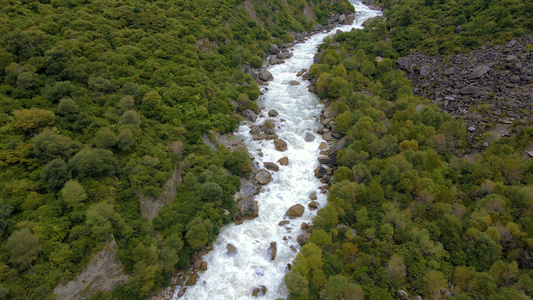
pixel 490 88
pixel 248 208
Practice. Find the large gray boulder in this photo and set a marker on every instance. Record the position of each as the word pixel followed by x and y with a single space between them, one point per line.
pixel 265 75
pixel 263 177
pixel 250 115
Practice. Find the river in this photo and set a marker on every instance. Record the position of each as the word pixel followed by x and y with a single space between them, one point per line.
pixel 235 276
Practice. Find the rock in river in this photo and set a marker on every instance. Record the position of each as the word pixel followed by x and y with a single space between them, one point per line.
pixel 295 211
pixel 263 177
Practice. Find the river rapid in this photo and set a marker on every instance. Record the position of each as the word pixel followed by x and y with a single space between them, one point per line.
pixel 235 276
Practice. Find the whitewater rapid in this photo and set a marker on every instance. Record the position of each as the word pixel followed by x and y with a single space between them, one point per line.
pixel 235 277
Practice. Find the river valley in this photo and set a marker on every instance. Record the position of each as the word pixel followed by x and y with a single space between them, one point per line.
pixel 235 275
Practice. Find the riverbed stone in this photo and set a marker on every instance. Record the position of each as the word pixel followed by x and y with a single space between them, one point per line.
pixel 265 75
pixel 295 211
pixel 309 137
pixel 284 161
pixel 271 166
pixel 324 160
pixel 231 249
pixel 283 223
pixel 203 266
pixel 294 82
pixel 272 113
pixel 327 136
pixel 249 209
pixel 260 291
pixel 313 205
pixel 192 279
pixel 280 145
pixel 273 250
pixel 263 177
pixel 302 238
pixel 250 115
pixel 323 146
pixel 320 172
pixel 312 196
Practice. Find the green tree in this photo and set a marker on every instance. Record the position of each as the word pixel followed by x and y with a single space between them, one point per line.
pixel 49 145
pixel 68 109
pixel 197 233
pixel 23 247
pixel 105 138
pixel 73 193
pixel 92 163
pixel 55 174
pixel 32 119
pixel 297 285
pixel 5 216
pixel 211 192
pixel 129 117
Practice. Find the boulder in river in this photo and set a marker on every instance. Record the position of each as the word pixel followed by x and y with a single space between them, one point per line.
pixel 309 137
pixel 324 160
pixel 294 82
pixel 302 238
pixel 280 145
pixel 295 211
pixel 271 166
pixel 231 249
pixel 284 161
pixel 272 113
pixel 320 172
pixel 249 209
pixel 263 177
pixel 265 75
pixel 283 223
pixel 273 250
pixel 313 205
pixel 192 279
pixel 312 196
pixel 250 115
pixel 260 291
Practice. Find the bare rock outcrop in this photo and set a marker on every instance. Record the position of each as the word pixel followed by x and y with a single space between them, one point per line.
pixel 490 87
pixel 150 207
pixel 103 273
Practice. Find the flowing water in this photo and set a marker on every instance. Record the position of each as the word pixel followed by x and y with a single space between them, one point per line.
pixel 235 277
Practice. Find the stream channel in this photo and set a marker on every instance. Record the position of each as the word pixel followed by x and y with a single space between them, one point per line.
pixel 235 276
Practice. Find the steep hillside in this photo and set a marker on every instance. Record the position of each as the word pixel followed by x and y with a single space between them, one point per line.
pixel 101 103
pixel 412 213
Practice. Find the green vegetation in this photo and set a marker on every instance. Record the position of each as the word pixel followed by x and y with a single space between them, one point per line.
pixel 100 102
pixel 408 210
pixel 446 26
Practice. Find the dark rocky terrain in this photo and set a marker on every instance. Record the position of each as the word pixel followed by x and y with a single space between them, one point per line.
pixel 491 88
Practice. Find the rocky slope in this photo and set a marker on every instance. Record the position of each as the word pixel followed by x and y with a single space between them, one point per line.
pixel 490 87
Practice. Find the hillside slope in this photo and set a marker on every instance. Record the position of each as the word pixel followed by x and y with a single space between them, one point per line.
pixel 101 102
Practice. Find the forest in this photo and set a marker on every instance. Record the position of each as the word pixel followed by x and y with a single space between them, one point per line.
pixel 101 102
pixel 411 212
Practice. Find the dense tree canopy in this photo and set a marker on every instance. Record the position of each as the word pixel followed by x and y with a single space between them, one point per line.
pixel 101 103
pixel 409 210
